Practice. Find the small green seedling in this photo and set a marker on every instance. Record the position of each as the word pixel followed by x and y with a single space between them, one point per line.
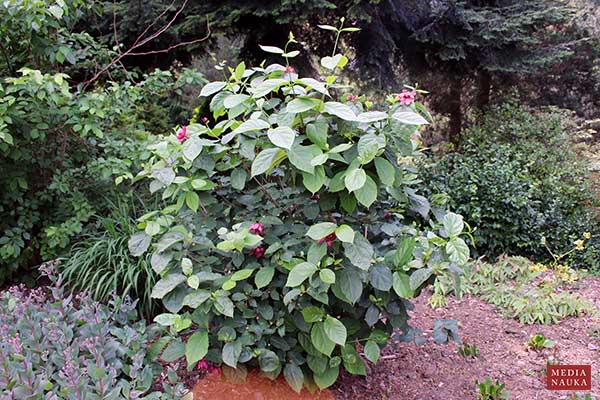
pixel 491 391
pixel 577 396
pixel 538 342
pixel 468 350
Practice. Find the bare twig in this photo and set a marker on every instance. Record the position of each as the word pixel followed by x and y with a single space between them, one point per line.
pixel 142 40
pixel 175 45
pixel 265 191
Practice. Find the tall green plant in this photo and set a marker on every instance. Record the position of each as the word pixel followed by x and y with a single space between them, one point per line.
pixel 291 230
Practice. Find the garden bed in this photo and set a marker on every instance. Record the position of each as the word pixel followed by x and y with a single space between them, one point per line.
pixel 432 372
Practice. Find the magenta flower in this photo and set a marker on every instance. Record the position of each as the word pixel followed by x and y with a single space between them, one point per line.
pixel 257 229
pixel 352 98
pixel 290 70
pixel 329 239
pixel 407 97
pixel 202 365
pixel 258 252
pixel 182 134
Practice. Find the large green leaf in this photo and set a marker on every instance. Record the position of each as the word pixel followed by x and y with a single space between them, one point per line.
pixel 385 171
pixel 268 361
pixel 401 284
pixel 300 273
pixel 238 178
pixel 320 230
pixel 453 224
pixel 352 361
pixel 335 330
pixel 192 148
pixel 301 157
pixel 327 378
pixel 317 133
pixel 265 160
pixel 301 104
pixel 367 194
pixel 212 88
pixel 348 285
pixel 404 253
pixel 340 110
pixel 196 347
pixel 381 277
pixel 372 351
pixel 264 276
pixel 166 285
pixel 231 353
pixel 282 136
pixel 458 251
pixel 360 253
pixel 409 118
pixel 320 340
pixel 418 277
pixel 315 181
pixel 355 179
pixel 235 100
pixel 224 306
pixel 294 377
pixel 139 243
pixel 345 233
pixel 166 176
pixel 368 146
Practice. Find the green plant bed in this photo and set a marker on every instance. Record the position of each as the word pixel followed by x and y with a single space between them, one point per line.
pixel 529 292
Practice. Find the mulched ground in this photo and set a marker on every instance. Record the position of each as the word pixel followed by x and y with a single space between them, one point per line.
pixel 437 372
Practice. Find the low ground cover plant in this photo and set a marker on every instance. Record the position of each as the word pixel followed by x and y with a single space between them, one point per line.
pixel 291 230
pixel 55 345
pixel 530 292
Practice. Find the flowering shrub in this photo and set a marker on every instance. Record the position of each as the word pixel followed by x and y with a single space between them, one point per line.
pixel 54 347
pixel 291 230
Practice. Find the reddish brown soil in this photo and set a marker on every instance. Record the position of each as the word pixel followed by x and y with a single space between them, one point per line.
pixel 437 372
pixel 215 387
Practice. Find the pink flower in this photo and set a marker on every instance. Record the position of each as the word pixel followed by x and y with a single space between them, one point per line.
pixel 257 229
pixel 258 252
pixel 407 97
pixel 352 98
pixel 204 120
pixel 182 134
pixel 202 365
pixel 290 70
pixel 329 239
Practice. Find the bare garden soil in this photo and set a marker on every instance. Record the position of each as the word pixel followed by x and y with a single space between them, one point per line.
pixel 438 372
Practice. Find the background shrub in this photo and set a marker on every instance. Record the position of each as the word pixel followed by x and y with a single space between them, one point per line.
pixel 517 180
pixel 63 144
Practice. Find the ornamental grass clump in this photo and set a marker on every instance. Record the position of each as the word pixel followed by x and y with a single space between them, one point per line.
pixel 290 230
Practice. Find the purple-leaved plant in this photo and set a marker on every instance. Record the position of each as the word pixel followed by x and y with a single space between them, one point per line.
pixel 58 346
